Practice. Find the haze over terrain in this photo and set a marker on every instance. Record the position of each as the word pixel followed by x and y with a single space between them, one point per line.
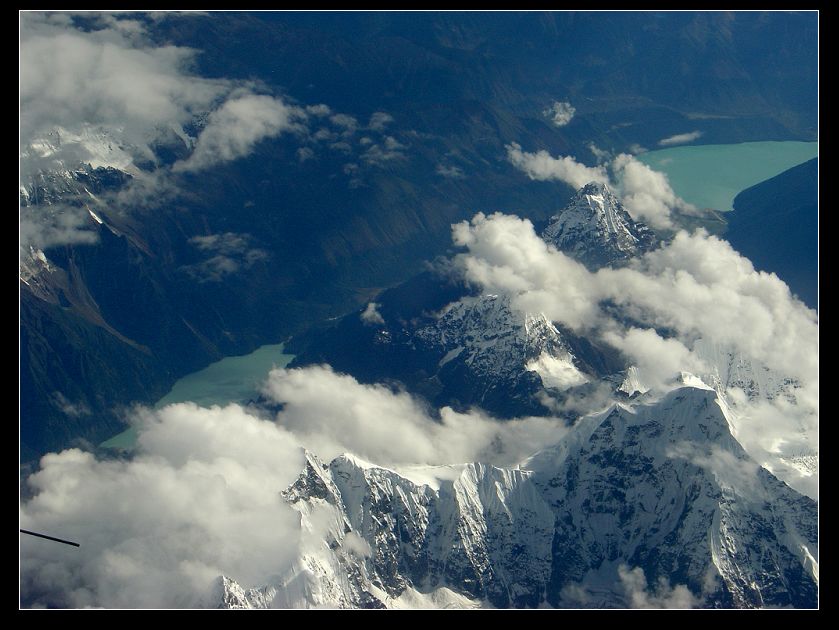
pixel 510 332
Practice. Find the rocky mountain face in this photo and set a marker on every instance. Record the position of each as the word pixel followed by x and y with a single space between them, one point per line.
pixel 660 485
pixel 596 229
pixel 498 358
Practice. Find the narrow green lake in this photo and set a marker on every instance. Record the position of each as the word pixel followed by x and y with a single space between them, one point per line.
pixel 711 175
pixel 233 379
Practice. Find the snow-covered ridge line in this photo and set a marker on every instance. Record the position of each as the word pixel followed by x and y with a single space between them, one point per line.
pixel 659 484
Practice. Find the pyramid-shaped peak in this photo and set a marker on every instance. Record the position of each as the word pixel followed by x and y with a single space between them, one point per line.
pixel 597 230
pixel 594 188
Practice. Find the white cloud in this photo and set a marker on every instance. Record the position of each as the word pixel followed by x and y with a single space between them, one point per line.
pixel 728 469
pixel 324 135
pixel 371 315
pixel 382 154
pixel 695 287
pixel 74 410
pixel 646 193
pixel 783 436
pixel 236 127
pixel 102 91
pixel 560 113
pixel 660 361
pixel 355 544
pixel 58 226
pixel 450 172
pixel 680 138
pixel 343 147
pixel 112 79
pixel 321 110
pixel 634 584
pixel 701 287
pixel 332 413
pixel 213 475
pixel 600 155
pixel 542 166
pixel 379 120
pixel 604 585
pixel 230 252
pixel 200 498
pixel 347 122
pixel 201 495
pixel 506 256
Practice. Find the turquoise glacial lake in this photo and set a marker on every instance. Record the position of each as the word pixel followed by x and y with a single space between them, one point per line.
pixel 233 379
pixel 711 175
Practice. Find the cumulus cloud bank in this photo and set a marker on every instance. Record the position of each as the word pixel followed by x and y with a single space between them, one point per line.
pixel 97 88
pixel 646 193
pixel 680 138
pixel 108 78
pixel 200 498
pixel 656 312
pixel 332 413
pixel 696 285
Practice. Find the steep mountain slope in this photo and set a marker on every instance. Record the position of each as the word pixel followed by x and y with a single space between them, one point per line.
pixel 498 358
pixel 775 224
pixel 596 229
pixel 661 486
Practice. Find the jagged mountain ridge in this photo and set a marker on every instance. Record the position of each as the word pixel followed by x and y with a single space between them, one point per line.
pixel 495 353
pixel 662 486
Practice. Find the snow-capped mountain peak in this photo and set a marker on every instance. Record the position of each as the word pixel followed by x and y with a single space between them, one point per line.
pixel 597 230
pixel 492 343
pixel 661 485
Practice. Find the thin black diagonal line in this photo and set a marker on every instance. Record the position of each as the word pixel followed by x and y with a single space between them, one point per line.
pixel 66 542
